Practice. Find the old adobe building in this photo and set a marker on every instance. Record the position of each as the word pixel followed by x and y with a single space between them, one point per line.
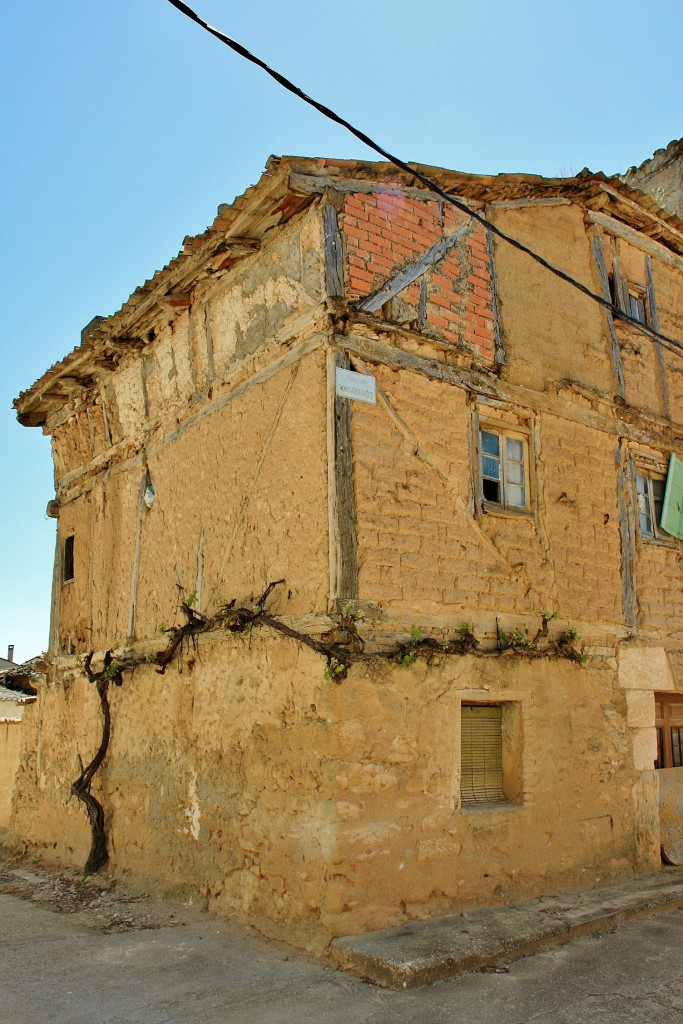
pixel 514 462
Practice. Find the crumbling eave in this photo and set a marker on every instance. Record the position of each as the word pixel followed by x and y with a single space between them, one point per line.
pixel 287 186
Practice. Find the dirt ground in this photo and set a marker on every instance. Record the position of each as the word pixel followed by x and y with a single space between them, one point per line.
pixel 97 901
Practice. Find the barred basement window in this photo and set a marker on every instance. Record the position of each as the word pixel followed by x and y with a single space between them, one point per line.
pixel 481 753
pixel 68 564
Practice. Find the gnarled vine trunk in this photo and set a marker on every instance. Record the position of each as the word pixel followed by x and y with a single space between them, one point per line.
pixel 99 854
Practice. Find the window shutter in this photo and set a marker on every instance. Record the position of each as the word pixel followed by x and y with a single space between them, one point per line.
pixel 672 508
pixel 481 739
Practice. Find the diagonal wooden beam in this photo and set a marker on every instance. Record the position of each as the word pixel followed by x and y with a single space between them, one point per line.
pixel 409 273
pixel 617 366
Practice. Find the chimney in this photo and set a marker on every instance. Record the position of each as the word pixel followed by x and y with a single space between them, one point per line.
pixel 10 652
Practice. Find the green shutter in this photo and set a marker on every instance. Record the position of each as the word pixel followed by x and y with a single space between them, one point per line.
pixel 672 509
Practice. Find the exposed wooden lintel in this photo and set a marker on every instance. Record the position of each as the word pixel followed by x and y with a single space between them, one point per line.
pixel 616 227
pixel 176 300
pixel 313 184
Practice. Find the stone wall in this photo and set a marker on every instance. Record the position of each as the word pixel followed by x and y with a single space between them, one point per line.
pixel 662 177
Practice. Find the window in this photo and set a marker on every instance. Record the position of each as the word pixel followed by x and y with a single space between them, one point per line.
pixel 481 753
pixel 637 306
pixel 68 564
pixel 504 468
pixel 650 496
pixel 669 726
pixel 632 298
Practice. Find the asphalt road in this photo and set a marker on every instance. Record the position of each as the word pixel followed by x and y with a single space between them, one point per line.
pixel 56 971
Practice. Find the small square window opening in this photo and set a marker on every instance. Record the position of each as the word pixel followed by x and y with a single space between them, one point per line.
pixel 504 469
pixel 637 305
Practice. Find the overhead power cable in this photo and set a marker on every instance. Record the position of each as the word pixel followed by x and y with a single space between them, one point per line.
pixel 670 343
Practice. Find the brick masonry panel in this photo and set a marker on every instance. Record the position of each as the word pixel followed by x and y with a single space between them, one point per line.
pixel 385 233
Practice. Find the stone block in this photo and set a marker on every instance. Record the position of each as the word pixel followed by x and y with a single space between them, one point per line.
pixel 645 668
pixel 644 743
pixel 640 709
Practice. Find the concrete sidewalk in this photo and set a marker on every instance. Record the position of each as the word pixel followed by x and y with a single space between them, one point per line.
pixel 422 952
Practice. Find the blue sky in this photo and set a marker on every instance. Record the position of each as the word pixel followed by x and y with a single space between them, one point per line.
pixel 124 126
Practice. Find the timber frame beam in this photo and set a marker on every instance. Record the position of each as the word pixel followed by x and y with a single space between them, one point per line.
pixel 341 500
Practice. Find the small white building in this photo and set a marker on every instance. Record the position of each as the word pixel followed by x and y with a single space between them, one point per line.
pixel 12 704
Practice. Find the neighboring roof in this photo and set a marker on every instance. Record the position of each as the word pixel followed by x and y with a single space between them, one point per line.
pixel 5 665
pixel 19 678
pixel 283 191
pixel 660 156
pixel 16 696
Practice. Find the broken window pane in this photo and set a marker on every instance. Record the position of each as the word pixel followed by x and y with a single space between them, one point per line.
pixel 491 491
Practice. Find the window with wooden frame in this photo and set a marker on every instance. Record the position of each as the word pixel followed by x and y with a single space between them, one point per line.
pixel 504 468
pixel 637 303
pixel 669 726
pixel 481 753
pixel 68 561
pixel 631 298
pixel 650 487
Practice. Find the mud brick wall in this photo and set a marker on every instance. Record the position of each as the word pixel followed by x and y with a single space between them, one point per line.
pixel 224 523
pixel 420 551
pixel 658 585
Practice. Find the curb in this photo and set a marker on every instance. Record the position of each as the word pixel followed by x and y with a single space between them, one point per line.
pixel 423 952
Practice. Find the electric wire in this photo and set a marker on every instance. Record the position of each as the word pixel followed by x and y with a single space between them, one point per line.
pixel 671 344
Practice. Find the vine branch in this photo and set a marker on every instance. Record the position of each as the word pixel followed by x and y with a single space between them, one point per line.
pixel 340 648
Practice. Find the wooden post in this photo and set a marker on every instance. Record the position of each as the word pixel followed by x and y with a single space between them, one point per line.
pixel 132 606
pixel 654 324
pixel 498 338
pixel 626 529
pixel 334 254
pixel 614 343
pixel 341 503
